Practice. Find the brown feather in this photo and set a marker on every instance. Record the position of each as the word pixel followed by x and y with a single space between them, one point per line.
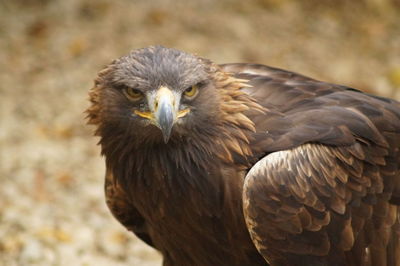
pixel 313 166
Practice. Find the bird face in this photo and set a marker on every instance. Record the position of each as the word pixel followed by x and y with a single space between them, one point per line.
pixel 161 107
pixel 163 110
pixel 158 89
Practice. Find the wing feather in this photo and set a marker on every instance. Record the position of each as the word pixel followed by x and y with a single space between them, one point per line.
pixel 118 203
pixel 327 173
pixel 330 214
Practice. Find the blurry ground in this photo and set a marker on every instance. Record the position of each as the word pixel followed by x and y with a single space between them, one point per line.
pixel 52 209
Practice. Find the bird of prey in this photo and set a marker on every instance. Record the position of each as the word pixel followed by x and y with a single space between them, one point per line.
pixel 245 164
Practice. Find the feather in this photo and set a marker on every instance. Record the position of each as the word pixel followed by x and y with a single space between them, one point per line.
pixel 268 166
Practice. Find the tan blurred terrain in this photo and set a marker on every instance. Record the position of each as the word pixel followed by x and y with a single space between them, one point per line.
pixel 52 209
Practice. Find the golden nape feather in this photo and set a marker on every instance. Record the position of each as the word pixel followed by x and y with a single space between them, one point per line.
pixel 245 164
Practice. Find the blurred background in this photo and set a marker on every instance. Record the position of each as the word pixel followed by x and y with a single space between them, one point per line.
pixel 52 209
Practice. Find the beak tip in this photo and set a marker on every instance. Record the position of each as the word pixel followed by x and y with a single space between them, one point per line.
pixel 166 133
pixel 166 139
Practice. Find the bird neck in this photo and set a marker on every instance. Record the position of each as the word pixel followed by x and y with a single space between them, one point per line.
pixel 227 139
pixel 235 129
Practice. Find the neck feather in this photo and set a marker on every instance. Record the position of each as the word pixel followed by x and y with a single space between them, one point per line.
pixel 228 139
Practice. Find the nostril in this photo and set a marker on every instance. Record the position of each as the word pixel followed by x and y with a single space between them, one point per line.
pixel 156 105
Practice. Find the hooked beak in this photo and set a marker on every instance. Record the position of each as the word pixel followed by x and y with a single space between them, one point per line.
pixel 165 111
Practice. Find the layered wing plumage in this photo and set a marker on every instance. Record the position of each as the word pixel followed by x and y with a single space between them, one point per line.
pixel 327 183
pixel 123 210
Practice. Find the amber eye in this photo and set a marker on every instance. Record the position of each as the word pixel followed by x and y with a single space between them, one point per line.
pixel 133 94
pixel 191 91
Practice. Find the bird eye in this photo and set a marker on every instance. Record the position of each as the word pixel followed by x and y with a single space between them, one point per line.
pixel 191 91
pixel 133 94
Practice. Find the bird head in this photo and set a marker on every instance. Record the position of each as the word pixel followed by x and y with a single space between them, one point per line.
pixel 158 96
pixel 155 92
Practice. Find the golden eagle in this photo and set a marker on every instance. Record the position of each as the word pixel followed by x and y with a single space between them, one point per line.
pixel 245 164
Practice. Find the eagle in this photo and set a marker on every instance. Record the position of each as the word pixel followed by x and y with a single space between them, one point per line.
pixel 246 164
